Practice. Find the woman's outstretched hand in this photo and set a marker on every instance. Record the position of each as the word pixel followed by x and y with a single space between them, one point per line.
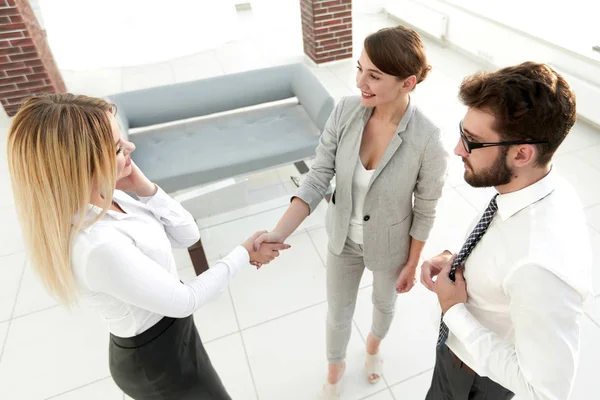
pixel 268 237
pixel 266 250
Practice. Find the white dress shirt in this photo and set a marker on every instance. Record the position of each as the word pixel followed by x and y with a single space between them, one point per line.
pixel 124 266
pixel 360 183
pixel 527 281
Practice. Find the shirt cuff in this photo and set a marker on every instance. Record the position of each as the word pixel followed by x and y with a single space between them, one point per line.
pixel 238 257
pixel 462 323
pixel 157 200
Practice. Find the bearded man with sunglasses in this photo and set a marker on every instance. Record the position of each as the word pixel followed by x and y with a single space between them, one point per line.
pixel 513 295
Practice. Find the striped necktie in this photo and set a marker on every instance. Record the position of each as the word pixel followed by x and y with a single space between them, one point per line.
pixel 472 240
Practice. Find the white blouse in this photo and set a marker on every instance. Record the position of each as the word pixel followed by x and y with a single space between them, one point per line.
pixel 360 183
pixel 124 266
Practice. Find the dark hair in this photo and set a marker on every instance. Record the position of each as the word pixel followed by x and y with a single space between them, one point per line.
pixel 528 101
pixel 399 52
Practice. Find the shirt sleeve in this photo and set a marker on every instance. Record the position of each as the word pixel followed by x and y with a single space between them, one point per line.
pixel 180 226
pixel 545 313
pixel 120 269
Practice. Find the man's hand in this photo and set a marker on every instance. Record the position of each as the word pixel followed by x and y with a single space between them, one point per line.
pixel 450 293
pixel 407 278
pixel 432 267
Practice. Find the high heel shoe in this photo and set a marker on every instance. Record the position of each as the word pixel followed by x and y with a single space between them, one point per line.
pixel 332 391
pixel 373 367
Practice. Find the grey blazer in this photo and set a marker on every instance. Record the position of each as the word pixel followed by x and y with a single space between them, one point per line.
pixel 414 163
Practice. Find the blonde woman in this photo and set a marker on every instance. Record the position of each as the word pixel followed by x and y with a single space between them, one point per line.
pixel 89 240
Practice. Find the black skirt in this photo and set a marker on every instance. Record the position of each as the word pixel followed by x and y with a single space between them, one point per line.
pixel 168 361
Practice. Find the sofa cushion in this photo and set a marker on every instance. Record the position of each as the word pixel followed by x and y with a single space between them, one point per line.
pixel 194 152
pixel 174 102
pixel 163 104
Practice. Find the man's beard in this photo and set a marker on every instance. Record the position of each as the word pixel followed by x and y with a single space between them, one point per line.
pixel 496 174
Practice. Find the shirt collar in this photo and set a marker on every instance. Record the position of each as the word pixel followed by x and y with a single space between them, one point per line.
pixel 511 203
pixel 410 110
pixel 93 211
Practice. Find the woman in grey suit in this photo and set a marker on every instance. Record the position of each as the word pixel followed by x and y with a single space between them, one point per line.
pixel 383 151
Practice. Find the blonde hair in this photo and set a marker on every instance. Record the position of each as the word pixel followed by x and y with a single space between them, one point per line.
pixel 59 146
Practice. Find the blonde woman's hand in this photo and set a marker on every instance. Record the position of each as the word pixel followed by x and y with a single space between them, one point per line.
pixel 137 182
pixel 267 251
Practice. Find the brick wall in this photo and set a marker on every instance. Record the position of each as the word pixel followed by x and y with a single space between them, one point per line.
pixel 327 29
pixel 26 63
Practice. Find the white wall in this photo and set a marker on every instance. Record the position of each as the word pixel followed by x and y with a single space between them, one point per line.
pixel 367 6
pixel 501 45
pixel 90 34
pixel 568 23
pixel 93 34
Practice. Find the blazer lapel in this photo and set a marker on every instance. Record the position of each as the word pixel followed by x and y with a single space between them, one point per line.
pixel 394 143
pixel 391 149
pixel 351 147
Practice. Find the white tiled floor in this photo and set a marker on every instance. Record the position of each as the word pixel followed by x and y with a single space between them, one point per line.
pixel 298 282
pixel 12 272
pixel 10 238
pixel 414 388
pixel 265 334
pixel 31 296
pixel 229 357
pixel 104 389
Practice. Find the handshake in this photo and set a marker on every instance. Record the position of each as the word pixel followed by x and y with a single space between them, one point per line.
pixel 264 246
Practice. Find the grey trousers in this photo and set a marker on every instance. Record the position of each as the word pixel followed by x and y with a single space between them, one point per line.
pixel 344 272
pixel 452 380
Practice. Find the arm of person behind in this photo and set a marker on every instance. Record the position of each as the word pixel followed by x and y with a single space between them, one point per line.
pixel 315 185
pixel 428 190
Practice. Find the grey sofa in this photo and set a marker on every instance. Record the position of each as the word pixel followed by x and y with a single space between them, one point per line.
pixel 193 133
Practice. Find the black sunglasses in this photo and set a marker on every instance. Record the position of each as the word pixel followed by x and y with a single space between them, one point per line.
pixel 470 146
